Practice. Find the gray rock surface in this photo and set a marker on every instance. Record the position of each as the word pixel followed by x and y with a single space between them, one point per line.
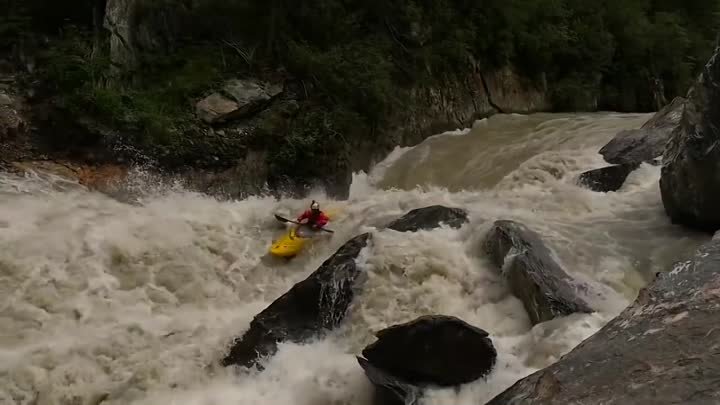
pixel 546 290
pixel 216 108
pixel 430 218
pixel 635 146
pixel 662 350
pixel 606 179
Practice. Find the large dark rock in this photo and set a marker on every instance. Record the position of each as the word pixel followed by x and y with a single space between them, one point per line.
pixel 545 289
pixel 635 146
pixel 690 181
pixel 605 179
pixel 664 349
pixel 313 305
pixel 429 218
pixel 437 350
pixel 429 351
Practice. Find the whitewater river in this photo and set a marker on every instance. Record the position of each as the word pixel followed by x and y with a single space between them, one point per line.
pixel 135 304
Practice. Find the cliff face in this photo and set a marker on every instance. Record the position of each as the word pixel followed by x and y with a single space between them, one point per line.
pixel 454 104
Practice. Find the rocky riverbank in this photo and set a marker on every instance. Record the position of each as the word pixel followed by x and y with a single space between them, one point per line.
pixel 240 98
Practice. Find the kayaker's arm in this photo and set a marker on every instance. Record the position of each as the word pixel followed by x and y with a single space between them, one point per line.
pixel 322 221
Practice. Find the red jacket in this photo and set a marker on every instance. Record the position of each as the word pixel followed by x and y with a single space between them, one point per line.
pixel 320 219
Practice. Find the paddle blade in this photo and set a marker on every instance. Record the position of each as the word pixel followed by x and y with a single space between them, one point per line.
pixel 281 219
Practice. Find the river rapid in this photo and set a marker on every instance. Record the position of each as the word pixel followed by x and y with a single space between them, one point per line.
pixel 107 302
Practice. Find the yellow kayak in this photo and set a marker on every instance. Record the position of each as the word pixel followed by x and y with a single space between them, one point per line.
pixel 295 240
pixel 292 242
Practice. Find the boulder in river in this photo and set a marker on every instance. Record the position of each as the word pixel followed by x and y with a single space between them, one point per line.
pixel 635 146
pixel 389 389
pixel 546 290
pixel 429 218
pixel 664 349
pixel 313 305
pixel 606 179
pixel 690 180
pixel 429 351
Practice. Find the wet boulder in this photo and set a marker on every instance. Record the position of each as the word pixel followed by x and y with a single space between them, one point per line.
pixel 389 389
pixel 429 218
pixel 690 177
pixel 429 351
pixel 546 290
pixel 663 349
pixel 438 350
pixel 606 179
pixel 312 306
pixel 634 146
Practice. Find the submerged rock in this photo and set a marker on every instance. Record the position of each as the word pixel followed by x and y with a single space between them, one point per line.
pixel 429 351
pixel 315 304
pixel 546 290
pixel 605 179
pixel 661 350
pixel 647 143
pixel 429 218
pixel 690 177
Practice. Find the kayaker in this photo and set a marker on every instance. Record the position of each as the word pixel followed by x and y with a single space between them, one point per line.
pixel 314 217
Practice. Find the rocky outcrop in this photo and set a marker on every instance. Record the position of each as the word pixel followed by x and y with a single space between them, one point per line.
pixel 546 290
pixel 429 218
pixel 139 27
pixel 664 349
pixel 142 33
pixel 251 95
pixel 429 351
pixel 241 98
pixel 457 102
pixel 510 93
pixel 635 146
pixel 216 108
pixel 690 177
pixel 313 305
pixel 606 179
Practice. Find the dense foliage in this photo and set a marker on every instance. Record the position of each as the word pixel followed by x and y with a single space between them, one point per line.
pixel 354 57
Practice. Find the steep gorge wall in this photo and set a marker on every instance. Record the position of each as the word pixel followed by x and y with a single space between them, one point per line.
pixel 237 156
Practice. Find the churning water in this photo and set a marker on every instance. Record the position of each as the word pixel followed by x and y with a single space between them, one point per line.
pixel 135 304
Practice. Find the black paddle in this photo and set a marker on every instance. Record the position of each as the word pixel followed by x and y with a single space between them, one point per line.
pixel 281 219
